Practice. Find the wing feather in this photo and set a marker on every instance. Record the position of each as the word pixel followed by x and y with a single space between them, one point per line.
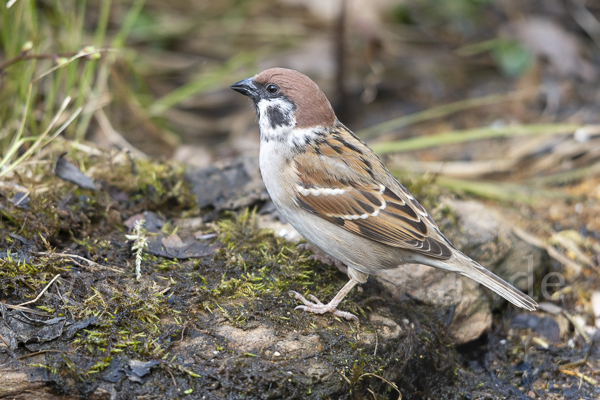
pixel 353 198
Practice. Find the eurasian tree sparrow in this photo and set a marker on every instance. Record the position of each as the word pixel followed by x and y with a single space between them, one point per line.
pixel 338 194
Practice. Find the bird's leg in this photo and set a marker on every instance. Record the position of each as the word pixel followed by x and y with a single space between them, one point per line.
pixel 319 308
pixel 318 255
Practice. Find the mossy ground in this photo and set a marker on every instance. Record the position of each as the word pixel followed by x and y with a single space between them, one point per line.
pixel 243 284
pixel 80 235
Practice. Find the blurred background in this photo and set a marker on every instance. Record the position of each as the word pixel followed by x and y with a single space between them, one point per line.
pixel 497 98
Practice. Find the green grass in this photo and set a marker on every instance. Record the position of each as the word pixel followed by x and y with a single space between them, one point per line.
pixel 454 137
pixel 79 51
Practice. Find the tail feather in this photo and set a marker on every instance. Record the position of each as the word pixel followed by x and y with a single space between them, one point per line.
pixel 471 269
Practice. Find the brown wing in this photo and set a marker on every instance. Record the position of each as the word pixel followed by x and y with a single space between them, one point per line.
pixel 338 181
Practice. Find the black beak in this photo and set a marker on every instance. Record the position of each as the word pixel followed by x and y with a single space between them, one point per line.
pixel 246 87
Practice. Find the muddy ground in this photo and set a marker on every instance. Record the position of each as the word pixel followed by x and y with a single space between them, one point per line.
pixel 220 324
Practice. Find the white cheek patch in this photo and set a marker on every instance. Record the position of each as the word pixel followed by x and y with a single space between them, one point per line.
pixel 284 107
pixel 285 133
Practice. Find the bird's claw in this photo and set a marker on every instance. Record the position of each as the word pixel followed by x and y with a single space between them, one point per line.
pixel 318 307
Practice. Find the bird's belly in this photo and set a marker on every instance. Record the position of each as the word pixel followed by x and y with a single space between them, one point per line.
pixel 359 253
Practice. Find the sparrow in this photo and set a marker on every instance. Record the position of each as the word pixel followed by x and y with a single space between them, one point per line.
pixel 340 196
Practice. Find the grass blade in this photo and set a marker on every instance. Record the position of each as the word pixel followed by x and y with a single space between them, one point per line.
pixel 442 111
pixel 453 137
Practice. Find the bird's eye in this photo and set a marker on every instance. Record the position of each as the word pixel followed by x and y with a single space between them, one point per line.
pixel 272 88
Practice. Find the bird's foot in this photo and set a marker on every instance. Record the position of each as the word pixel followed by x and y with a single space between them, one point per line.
pixel 319 308
pixel 318 255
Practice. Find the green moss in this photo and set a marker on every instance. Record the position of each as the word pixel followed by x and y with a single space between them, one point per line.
pixel 254 263
pixel 245 282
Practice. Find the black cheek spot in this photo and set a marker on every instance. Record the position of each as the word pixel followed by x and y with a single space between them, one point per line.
pixel 277 117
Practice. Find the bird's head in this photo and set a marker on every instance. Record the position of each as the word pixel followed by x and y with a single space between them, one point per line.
pixel 289 105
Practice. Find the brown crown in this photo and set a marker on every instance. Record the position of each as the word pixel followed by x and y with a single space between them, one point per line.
pixel 312 107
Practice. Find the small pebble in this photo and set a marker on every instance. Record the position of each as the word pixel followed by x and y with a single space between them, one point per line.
pixel 276 354
pixel 206 236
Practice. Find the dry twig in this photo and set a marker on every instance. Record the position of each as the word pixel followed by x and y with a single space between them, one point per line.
pixel 586 378
pixel 45 351
pixel 552 252
pixel 41 293
pixel 73 256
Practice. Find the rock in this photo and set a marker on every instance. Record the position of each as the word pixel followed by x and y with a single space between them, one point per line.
pixel 481 234
pixel 311 355
pixel 386 330
pixel 545 326
pixel 71 173
pixel 22 385
pixel 152 222
pixel 233 186
pixel 174 247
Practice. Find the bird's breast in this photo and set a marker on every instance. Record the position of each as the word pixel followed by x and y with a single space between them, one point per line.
pixel 278 173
